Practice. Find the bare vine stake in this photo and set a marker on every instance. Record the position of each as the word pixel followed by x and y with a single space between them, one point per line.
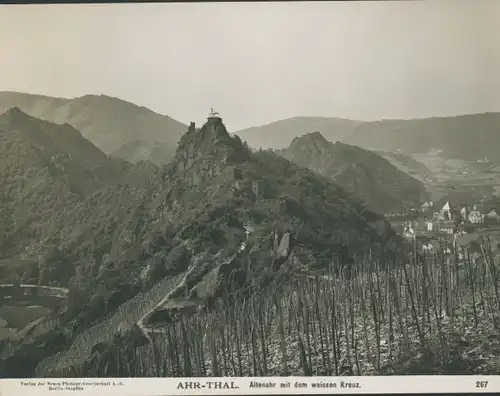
pixel 346 332
pixel 444 346
pixel 326 334
pixel 493 276
pixel 426 285
pixel 472 275
pixel 414 311
pixel 351 314
pixel 282 336
pixel 213 348
pixel 260 317
pixel 398 300
pixel 379 292
pixel 391 329
pixel 317 311
pixel 306 320
pixel 443 293
pixel 310 324
pixel 333 321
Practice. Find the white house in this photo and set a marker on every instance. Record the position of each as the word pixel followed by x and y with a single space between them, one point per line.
pixel 446 230
pixel 408 231
pixel 493 215
pixel 446 227
pixel 427 205
pixel 475 217
pixel 427 247
pixel 445 213
pixel 463 212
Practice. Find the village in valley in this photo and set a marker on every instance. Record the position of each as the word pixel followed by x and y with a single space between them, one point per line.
pixel 451 226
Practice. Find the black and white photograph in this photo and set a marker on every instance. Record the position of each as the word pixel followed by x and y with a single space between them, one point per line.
pixel 250 189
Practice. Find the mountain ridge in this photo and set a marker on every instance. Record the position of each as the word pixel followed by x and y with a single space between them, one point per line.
pixel 108 122
pixel 125 130
pixel 466 137
pixel 279 134
pixel 448 134
pixel 363 173
pixel 62 137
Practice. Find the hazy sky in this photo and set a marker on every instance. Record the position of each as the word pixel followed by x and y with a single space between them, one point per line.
pixel 256 63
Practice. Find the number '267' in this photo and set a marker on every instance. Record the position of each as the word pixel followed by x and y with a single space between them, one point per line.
pixel 481 384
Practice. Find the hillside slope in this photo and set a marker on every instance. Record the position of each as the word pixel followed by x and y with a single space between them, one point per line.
pixel 191 219
pixel 140 150
pixel 405 163
pixel 109 123
pixel 46 170
pixel 279 134
pixel 363 173
pixel 465 137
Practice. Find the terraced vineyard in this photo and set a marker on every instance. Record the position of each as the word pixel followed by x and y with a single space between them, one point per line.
pixel 125 318
pixel 433 316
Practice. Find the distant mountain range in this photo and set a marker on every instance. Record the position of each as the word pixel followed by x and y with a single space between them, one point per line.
pixel 467 137
pixel 135 133
pixel 362 173
pixel 115 126
pixel 279 134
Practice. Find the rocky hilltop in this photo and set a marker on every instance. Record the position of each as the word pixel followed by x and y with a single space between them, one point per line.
pixel 362 173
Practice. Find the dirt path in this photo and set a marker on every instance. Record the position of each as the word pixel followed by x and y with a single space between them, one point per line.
pixel 58 291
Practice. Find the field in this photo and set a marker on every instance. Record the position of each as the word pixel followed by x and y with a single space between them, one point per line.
pixel 443 176
pixel 445 169
pixel 17 312
pixel 18 316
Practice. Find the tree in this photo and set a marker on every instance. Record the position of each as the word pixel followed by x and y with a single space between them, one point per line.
pixel 55 268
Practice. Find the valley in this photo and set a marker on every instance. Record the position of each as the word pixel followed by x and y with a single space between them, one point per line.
pixel 227 260
pixel 195 192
